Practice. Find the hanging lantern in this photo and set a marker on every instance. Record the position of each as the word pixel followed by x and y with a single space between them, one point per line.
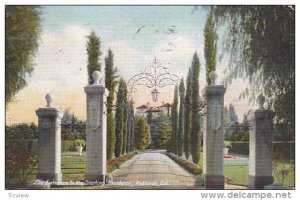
pixel 154 94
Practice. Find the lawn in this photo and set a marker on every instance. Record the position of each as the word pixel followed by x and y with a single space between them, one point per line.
pixel 73 167
pixel 239 174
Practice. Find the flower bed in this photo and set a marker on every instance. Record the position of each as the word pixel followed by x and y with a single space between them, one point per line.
pixel 229 157
pixel 116 162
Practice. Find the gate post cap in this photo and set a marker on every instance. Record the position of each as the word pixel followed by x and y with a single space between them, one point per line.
pixel 213 77
pixel 260 101
pixel 49 100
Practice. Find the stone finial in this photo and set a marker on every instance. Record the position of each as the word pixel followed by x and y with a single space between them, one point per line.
pixel 96 77
pixel 213 77
pixel 49 100
pixel 260 101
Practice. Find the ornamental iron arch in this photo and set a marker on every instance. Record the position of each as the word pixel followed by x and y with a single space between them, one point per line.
pixel 154 76
pixel 157 76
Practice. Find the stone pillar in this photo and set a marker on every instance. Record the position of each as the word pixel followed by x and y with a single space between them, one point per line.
pixel 96 129
pixel 49 142
pixel 260 163
pixel 213 137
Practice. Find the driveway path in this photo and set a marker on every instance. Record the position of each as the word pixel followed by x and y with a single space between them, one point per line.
pixel 153 169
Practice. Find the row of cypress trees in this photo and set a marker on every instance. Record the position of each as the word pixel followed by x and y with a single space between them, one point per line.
pixel 186 125
pixel 124 122
pixel 120 126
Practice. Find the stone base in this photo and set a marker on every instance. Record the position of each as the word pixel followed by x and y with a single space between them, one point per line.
pixel 258 182
pixel 199 181
pixel 213 182
pixel 56 177
pixel 275 186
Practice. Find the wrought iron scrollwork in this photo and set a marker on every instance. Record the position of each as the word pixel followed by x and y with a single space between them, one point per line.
pixel 154 76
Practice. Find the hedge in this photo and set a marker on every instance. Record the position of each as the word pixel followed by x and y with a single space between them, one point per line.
pixel 190 167
pixel 65 146
pixel 287 148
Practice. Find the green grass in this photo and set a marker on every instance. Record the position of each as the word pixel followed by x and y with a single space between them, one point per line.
pixel 238 174
pixel 74 167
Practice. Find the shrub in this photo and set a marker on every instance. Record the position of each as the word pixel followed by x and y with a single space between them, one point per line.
pixel 79 142
pixel 18 160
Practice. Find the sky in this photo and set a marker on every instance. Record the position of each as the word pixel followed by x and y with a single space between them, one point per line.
pixel 135 34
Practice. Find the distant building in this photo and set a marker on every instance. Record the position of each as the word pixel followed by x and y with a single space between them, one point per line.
pixel 143 110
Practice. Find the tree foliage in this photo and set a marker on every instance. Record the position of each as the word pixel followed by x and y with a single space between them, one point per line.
pixel 180 131
pixel 187 116
pixel 125 126
pixel 22 30
pixel 119 119
pixel 174 114
pixel 110 83
pixel 142 134
pixel 18 159
pixel 94 53
pixel 130 127
pixel 164 129
pixel 210 47
pixel 195 126
pixel 260 41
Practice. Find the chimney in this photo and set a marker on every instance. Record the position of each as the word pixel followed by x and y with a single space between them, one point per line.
pixel 148 104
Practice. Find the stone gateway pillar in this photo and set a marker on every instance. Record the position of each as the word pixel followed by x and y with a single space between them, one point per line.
pixel 260 162
pixel 213 138
pixel 49 143
pixel 96 96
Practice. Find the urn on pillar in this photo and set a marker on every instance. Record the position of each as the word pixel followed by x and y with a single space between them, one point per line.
pixel 261 141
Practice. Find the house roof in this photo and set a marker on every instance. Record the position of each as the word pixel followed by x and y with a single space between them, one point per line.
pixel 166 105
pixel 142 107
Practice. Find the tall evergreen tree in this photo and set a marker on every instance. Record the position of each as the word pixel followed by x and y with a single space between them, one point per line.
pixel 187 116
pixel 210 47
pixel 22 30
pixel 94 53
pixel 128 139
pixel 142 134
pixel 125 130
pixel 174 122
pixel 110 84
pixel 132 124
pixel 180 131
pixel 195 128
pixel 119 119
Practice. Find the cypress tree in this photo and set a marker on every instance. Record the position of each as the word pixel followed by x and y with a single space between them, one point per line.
pixel 119 119
pixel 195 128
pixel 187 117
pixel 174 122
pixel 94 53
pixel 132 124
pixel 210 47
pixel 180 119
pixel 142 134
pixel 110 84
pixel 125 130
pixel 128 139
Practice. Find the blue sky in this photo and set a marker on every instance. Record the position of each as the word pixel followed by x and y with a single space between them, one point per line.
pixel 60 64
